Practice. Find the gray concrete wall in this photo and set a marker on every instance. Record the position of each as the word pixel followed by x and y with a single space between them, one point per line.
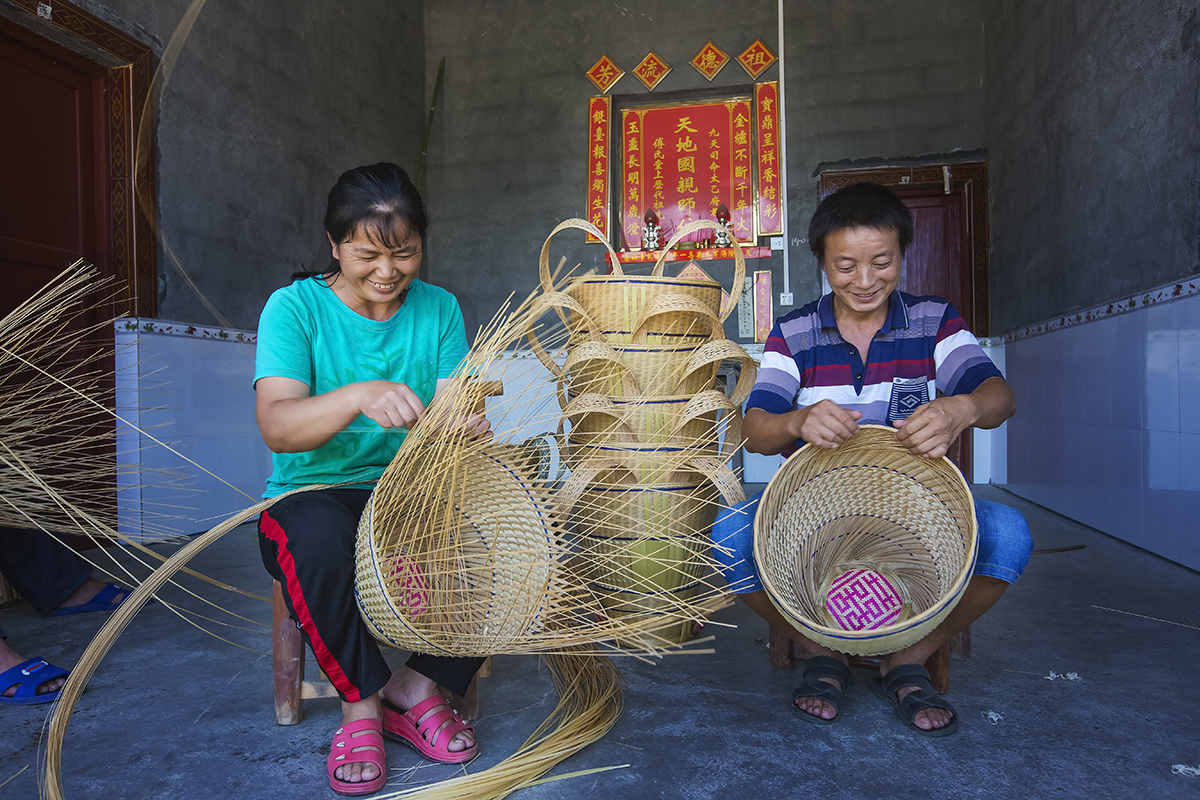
pixel 268 103
pixel 866 79
pixel 1093 133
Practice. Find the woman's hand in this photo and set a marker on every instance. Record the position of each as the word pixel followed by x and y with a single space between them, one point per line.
pixel 291 421
pixel 390 404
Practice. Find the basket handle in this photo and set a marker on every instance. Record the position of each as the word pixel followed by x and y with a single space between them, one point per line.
pixel 582 474
pixel 594 403
pixel 731 418
pixel 739 261
pixel 670 303
pixel 719 350
pixel 600 351
pixel 583 225
pixel 557 301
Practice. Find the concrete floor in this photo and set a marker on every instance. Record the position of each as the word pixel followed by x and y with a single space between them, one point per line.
pixel 175 713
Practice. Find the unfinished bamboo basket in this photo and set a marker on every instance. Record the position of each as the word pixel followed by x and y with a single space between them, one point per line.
pixel 461 571
pixel 869 505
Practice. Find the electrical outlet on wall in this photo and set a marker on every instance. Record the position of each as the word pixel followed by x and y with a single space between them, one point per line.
pixel 785 298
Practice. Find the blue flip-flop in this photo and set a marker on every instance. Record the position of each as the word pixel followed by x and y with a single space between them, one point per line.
pixel 27 677
pixel 101 602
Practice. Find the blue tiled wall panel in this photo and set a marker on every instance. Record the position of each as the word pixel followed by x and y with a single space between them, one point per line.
pixel 1107 430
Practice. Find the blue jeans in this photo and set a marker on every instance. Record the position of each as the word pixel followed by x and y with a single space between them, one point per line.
pixel 1004 543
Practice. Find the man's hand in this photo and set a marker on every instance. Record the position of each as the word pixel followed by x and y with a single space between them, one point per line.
pixel 934 427
pixel 828 425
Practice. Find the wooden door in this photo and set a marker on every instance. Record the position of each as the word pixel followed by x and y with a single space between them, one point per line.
pixel 936 261
pixel 53 212
pixel 52 158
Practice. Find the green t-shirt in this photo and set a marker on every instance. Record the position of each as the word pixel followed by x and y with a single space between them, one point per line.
pixel 308 334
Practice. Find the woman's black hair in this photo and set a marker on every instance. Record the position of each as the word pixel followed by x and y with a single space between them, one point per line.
pixel 379 199
pixel 860 205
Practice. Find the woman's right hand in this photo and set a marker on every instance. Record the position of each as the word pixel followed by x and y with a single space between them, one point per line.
pixel 390 404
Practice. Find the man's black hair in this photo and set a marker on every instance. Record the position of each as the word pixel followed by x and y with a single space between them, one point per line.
pixel 860 205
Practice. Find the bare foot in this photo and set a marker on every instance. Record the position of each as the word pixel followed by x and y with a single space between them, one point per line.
pixel 359 772
pixel 927 719
pixel 86 591
pixel 9 658
pixel 815 706
pixel 408 688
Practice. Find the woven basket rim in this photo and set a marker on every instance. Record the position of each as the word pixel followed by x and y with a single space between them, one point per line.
pixel 948 600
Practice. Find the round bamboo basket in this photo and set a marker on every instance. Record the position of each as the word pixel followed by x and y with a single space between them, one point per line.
pixel 868 505
pixel 464 568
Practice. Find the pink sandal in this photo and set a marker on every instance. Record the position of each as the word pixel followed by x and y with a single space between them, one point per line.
pixel 423 734
pixel 342 752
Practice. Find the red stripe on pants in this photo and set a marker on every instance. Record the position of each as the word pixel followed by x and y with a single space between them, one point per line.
pixel 325 659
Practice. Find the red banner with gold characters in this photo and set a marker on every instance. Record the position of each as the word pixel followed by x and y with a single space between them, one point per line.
pixel 599 117
pixel 770 183
pixel 682 162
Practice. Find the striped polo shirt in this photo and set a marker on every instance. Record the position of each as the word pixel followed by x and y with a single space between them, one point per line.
pixel 923 347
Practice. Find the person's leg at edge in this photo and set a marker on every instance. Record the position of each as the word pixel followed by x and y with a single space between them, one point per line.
pixel 1004 548
pixel 46 572
pixel 733 548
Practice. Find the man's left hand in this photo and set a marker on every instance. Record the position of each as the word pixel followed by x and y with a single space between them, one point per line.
pixel 933 427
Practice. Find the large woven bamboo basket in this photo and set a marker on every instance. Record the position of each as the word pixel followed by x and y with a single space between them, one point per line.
pixel 473 568
pixel 869 535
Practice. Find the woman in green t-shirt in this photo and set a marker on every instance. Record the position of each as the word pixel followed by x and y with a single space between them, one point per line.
pixel 347 361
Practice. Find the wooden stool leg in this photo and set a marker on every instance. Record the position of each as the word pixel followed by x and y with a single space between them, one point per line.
pixel 780 647
pixel 287 647
pixel 938 665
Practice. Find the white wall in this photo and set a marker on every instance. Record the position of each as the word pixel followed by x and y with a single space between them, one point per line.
pixel 193 391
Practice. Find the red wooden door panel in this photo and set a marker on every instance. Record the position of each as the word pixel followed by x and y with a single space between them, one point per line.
pixel 50 175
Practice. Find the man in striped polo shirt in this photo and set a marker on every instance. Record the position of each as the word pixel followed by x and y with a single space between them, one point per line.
pixel 870 354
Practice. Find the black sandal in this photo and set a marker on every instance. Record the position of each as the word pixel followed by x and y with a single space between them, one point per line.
pixel 913 703
pixel 812 686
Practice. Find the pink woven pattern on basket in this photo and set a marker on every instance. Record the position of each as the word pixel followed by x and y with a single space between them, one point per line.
pixel 406 576
pixel 863 600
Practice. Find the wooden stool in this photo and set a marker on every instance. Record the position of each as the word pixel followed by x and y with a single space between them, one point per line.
pixel 783 656
pixel 291 690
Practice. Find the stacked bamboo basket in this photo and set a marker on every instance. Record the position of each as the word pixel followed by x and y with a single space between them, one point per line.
pixel 645 431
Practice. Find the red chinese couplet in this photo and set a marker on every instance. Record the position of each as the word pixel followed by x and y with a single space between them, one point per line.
pixel 599 117
pixel 770 183
pixel 682 162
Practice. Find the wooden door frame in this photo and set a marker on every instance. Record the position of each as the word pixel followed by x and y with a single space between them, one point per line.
pixel 968 179
pixel 128 239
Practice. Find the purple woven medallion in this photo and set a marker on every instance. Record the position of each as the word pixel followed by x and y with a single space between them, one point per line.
pixel 863 600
